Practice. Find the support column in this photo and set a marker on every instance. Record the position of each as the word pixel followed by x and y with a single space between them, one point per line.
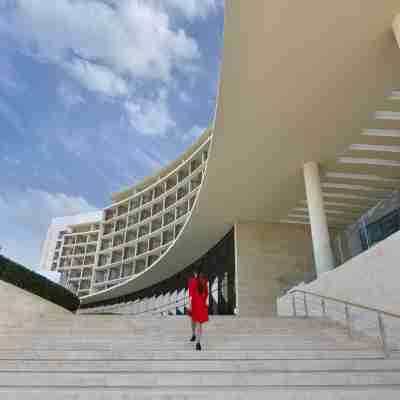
pixel 323 255
pixel 396 28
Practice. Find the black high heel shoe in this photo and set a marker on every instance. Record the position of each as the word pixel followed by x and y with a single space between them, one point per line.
pixel 198 346
pixel 193 338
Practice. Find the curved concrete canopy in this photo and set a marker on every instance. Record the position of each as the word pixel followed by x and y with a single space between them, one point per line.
pixel 299 83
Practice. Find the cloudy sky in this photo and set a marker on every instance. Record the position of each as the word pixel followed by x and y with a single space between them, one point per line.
pixel 94 96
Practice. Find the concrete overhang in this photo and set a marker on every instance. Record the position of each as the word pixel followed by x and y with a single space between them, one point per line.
pixel 299 82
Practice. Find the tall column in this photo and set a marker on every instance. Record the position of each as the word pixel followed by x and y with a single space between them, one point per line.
pixel 323 254
pixel 396 28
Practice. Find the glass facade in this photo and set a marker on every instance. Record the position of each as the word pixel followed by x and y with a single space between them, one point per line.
pixel 380 229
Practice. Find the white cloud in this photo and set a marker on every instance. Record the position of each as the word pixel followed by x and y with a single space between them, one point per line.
pixel 25 217
pixel 194 132
pixel 97 78
pixel 130 38
pixel 184 97
pixel 194 8
pixel 150 117
pixel 69 95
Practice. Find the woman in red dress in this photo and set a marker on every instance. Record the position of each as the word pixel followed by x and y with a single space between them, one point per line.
pixel 198 294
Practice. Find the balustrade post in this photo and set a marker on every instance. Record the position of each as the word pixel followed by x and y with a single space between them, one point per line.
pixel 305 305
pixel 294 305
pixel 382 334
pixel 348 321
pixel 323 307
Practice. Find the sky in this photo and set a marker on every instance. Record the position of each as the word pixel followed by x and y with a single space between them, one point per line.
pixel 94 96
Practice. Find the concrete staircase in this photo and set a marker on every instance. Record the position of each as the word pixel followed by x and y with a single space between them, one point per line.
pixel 122 358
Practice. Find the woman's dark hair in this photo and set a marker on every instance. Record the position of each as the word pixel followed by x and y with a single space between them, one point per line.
pixel 200 282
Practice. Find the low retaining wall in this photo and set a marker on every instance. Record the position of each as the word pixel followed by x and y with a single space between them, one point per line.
pixel 371 279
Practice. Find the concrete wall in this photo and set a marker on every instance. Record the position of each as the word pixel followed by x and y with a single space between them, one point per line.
pixel 371 279
pixel 268 258
pixel 19 307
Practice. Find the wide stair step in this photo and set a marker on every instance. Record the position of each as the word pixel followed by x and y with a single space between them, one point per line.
pixel 123 358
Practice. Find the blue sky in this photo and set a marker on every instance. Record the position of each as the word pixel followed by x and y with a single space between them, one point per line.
pixel 94 96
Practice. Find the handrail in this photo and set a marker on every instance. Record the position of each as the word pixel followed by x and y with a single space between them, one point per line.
pixel 347 304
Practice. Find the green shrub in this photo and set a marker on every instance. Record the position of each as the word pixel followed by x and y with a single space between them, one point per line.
pixel 32 282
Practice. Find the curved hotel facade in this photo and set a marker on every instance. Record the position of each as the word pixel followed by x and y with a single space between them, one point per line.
pixel 131 234
pixel 304 145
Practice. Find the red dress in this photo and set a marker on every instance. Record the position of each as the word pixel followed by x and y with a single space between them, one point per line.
pixel 199 301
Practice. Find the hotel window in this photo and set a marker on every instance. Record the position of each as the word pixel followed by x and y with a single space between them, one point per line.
pixel 134 203
pixel 131 235
pixel 127 269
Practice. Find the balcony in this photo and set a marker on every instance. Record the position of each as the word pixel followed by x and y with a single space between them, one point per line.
pixel 196 181
pixel 133 219
pixel 127 269
pixel 115 273
pixel 183 173
pixel 146 213
pixel 118 240
pixel 144 230
pixel 108 228
pixel 168 236
pixel 122 209
pixel 152 259
pixel 100 276
pixel 183 191
pixel 87 272
pixel 104 259
pixel 81 239
pixel 129 252
pixel 78 261
pixel 134 203
pixel 79 250
pixel 147 197
pixel 194 164
pixel 170 200
pixel 120 224
pixel 156 224
pixel 91 248
pixel 109 214
pixel 169 217
pixel 142 247
pixel 182 210
pixel 75 274
pixel 171 182
pixel 116 256
pixel 131 235
pixel 93 237
pixel 105 244
pixel 154 242
pixel 159 190
pixel 140 265
pixel 157 207
pixel 85 284
pixel 89 260
pixel 178 228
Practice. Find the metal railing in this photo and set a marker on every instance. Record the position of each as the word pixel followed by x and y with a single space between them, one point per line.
pixel 347 305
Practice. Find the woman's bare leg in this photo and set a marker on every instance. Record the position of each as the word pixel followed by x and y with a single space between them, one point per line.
pixel 193 328
pixel 199 332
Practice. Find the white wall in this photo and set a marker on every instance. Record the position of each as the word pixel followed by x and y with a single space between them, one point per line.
pixel 60 224
pixel 371 279
pixel 19 307
pixel 268 258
